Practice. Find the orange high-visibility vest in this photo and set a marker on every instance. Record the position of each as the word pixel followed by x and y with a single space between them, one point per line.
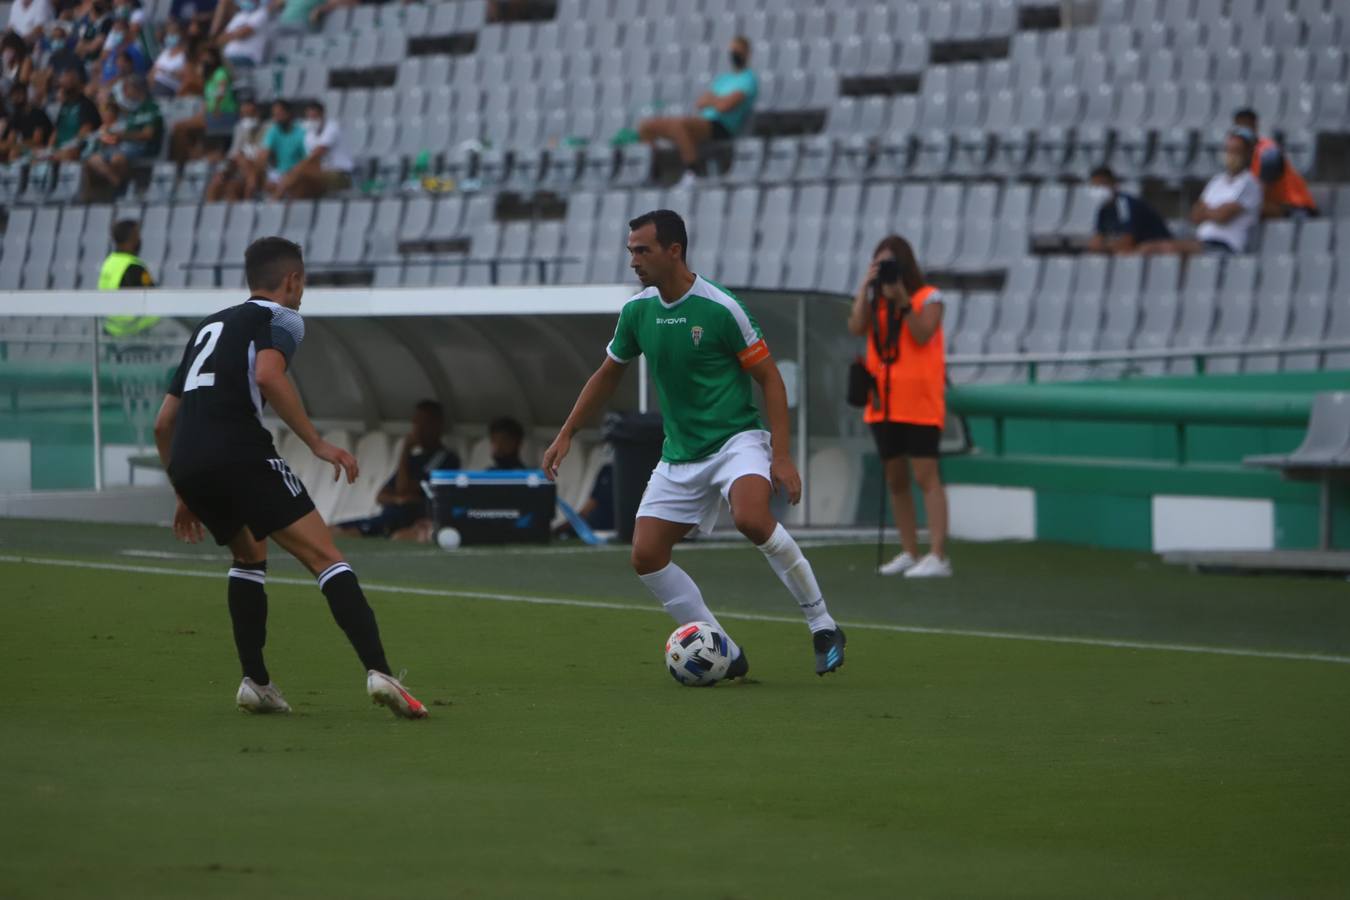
pixel 913 388
pixel 1290 189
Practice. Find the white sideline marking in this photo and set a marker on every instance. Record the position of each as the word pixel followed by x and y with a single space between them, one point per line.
pixel 751 617
pixel 482 551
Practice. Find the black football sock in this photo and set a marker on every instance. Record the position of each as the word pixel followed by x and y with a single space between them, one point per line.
pixel 353 614
pixel 248 613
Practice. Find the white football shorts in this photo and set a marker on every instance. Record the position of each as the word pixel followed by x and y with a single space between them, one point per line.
pixel 692 492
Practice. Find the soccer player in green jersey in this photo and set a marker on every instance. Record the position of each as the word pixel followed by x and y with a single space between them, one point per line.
pixel 702 351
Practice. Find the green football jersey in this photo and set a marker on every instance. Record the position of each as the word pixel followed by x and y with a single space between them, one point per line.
pixel 697 349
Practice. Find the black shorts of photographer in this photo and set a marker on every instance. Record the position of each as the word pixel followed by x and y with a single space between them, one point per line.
pixel 905 407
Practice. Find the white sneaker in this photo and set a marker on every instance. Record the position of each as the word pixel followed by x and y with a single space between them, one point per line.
pixel 899 565
pixel 931 567
pixel 687 182
pixel 260 698
pixel 386 691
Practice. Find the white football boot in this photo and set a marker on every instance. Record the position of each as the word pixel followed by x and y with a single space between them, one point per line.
pixel 899 565
pixel 260 698
pixel 386 691
pixel 931 567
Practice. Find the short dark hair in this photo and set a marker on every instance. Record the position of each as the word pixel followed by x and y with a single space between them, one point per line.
pixel 315 104
pixel 508 426
pixel 1246 114
pixel 123 230
pixel 1103 172
pixel 669 228
pixel 742 39
pixel 432 407
pixel 268 261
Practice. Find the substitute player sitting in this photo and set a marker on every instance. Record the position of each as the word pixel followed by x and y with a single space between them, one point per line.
pixel 229 477
pixel 702 350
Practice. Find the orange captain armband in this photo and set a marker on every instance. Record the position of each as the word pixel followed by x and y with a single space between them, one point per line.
pixel 755 353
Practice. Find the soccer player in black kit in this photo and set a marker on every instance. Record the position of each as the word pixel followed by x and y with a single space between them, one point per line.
pixel 229 477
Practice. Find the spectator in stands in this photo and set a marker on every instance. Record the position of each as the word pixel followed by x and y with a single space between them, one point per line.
pixel 244 38
pixel 284 144
pixel 54 54
pixel 135 137
pixel 124 269
pixel 1125 224
pixel 93 22
pixel 326 167
pixel 723 111
pixel 404 513
pixel 16 63
pixel 76 119
pixel 1284 192
pixel 304 16
pixel 220 109
pixel 505 436
pixel 27 128
pixel 245 163
pixel 166 75
pixel 1230 203
pixel 121 56
pixel 27 18
pixel 901 317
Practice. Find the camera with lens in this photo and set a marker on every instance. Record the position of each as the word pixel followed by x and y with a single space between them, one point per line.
pixel 888 271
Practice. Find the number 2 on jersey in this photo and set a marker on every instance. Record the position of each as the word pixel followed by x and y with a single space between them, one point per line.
pixel 196 377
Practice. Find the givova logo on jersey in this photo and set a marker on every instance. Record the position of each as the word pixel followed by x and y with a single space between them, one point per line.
pixel 697 334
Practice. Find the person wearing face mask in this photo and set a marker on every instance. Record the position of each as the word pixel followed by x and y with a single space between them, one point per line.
pixel 1230 204
pixel 244 39
pixel 723 111
pixel 1125 224
pixel 121 56
pixel 326 167
pixel 284 144
pixel 1285 193
pixel 29 127
pixel 138 135
pixel 76 118
pixel 900 315
pixel 245 162
pixel 166 75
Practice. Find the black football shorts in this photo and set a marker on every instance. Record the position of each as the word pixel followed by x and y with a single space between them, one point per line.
pixel 264 495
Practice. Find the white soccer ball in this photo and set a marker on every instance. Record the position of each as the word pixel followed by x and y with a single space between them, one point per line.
pixel 448 538
pixel 696 654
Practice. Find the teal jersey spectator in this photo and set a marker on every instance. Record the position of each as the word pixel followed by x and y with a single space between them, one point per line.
pixel 286 147
pixel 743 82
pixel 295 13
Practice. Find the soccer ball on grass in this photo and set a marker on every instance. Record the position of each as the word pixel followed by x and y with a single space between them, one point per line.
pixel 697 654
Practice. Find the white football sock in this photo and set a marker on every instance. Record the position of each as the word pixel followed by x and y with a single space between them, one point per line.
pixel 786 559
pixel 683 600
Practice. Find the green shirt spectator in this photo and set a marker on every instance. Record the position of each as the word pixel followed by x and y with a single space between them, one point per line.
pixel 144 116
pixel 74 115
pixel 285 144
pixel 218 94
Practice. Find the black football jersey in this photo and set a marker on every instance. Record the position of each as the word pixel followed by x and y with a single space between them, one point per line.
pixel 220 418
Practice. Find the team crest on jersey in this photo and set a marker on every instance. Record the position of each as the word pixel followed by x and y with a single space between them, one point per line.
pixel 697 334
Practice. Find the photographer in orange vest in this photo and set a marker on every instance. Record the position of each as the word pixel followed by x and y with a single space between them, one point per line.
pixel 901 317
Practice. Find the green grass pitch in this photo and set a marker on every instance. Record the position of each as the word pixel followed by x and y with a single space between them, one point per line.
pixel 1111 755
